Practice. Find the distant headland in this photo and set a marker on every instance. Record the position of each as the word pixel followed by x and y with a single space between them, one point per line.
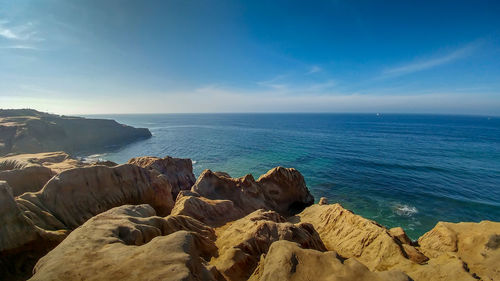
pixel 29 131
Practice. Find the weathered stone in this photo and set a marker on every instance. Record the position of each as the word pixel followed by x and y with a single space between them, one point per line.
pixel 241 243
pixel 179 172
pixel 131 243
pixel 287 261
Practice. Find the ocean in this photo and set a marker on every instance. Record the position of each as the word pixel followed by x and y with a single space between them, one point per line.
pixel 400 170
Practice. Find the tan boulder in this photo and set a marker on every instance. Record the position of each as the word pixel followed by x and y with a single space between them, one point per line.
pixel 323 201
pixel 288 261
pixel 131 243
pixel 179 172
pixel 241 243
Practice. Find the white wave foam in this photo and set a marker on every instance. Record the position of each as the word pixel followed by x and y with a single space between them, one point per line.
pixel 405 210
pixel 194 162
pixel 93 158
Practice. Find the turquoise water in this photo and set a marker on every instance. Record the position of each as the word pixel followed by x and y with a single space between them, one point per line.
pixel 400 170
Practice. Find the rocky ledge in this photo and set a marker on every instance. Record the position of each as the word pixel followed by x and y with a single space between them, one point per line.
pixel 30 131
pixel 150 220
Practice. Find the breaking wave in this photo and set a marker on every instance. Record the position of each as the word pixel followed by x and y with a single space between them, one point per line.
pixel 405 210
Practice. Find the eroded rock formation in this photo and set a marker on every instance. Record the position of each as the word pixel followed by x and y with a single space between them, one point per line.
pixel 220 198
pixel 436 256
pixel 36 222
pixel 287 261
pixel 223 228
pixel 241 243
pixel 178 171
pixel 131 243
pixel 30 172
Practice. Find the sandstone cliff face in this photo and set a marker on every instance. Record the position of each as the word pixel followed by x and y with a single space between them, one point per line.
pixel 76 195
pixel 30 172
pixel 179 172
pixel 38 221
pixel 30 131
pixel 131 243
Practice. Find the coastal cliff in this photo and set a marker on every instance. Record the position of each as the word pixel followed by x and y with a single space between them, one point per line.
pixel 150 220
pixel 31 131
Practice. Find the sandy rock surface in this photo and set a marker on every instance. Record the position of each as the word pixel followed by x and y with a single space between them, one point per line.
pixel 36 222
pixel 241 243
pixel 287 261
pixel 131 243
pixel 30 172
pixel 435 257
pixel 216 198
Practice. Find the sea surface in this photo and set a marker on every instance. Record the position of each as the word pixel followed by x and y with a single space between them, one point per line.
pixel 400 170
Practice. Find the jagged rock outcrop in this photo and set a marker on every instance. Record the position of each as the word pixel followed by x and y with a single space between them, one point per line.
pixel 381 249
pixel 179 172
pixel 351 235
pixel 31 131
pixel 281 189
pixel 288 261
pixel 476 244
pixel 131 243
pixel 30 172
pixel 211 212
pixel 38 221
pixel 241 243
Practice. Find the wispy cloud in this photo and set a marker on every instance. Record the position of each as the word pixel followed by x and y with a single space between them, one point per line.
pixel 22 32
pixel 275 83
pixel 19 47
pixel 314 69
pixel 321 86
pixel 432 62
pixel 286 84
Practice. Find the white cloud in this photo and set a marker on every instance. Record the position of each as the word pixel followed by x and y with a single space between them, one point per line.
pixel 314 69
pixel 321 86
pixel 24 32
pixel 430 63
pixel 275 83
pixel 19 47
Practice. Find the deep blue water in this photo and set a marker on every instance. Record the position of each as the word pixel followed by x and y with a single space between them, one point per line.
pixel 400 170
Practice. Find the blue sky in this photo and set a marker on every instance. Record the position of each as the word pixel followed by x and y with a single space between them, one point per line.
pixel 122 56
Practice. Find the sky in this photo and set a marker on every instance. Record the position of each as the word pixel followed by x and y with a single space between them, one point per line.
pixel 171 56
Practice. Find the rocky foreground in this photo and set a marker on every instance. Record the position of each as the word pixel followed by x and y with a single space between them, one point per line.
pixel 29 131
pixel 149 219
